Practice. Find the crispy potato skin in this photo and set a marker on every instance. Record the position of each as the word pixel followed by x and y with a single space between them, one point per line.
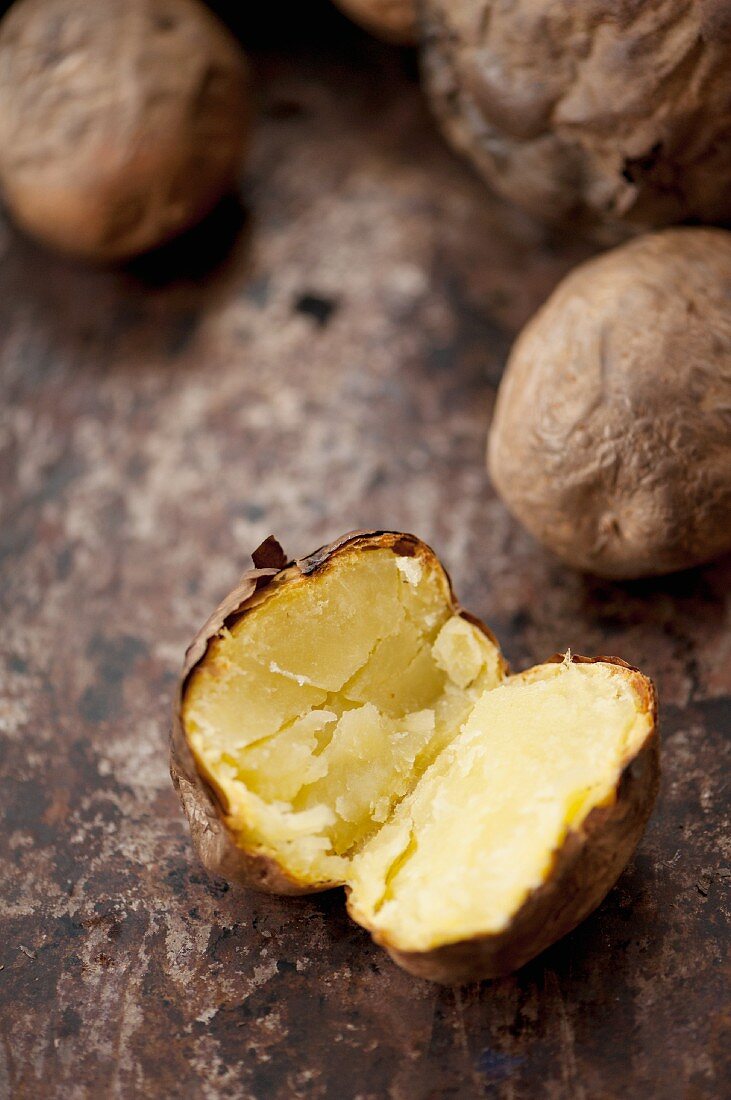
pixel 585 868
pixel 214 843
pixel 610 440
pixel 392 20
pixel 603 113
pixel 121 123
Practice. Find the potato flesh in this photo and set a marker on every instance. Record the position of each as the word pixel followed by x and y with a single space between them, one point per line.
pixel 461 854
pixel 317 712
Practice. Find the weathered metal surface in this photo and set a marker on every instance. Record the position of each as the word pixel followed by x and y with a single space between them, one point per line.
pixel 335 370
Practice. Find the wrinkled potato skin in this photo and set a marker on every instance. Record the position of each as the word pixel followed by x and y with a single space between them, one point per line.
pixel 392 20
pixel 585 868
pixel 611 113
pixel 611 439
pixel 215 845
pixel 121 123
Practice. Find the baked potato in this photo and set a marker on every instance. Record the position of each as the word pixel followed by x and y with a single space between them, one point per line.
pixel 341 721
pixel 121 123
pixel 614 115
pixel 392 20
pixel 611 438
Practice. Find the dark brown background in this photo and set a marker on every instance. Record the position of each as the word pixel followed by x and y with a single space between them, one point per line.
pixel 335 368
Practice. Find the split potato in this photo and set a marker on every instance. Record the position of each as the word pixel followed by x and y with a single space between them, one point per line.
pixel 611 439
pixel 121 124
pixel 612 115
pixel 341 721
pixel 393 20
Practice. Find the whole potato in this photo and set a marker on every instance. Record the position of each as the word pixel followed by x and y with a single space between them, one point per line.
pixel 611 440
pixel 393 20
pixel 615 113
pixel 121 123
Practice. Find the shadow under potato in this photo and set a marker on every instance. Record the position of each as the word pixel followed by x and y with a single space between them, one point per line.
pixel 599 954
pixel 287 23
pixel 200 252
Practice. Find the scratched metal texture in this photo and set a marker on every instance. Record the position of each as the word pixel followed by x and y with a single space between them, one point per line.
pixel 323 358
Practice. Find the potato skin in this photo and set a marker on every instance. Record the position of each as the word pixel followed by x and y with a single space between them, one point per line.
pixel 585 868
pixel 392 20
pixel 215 844
pixel 609 113
pixel 121 123
pixel 611 439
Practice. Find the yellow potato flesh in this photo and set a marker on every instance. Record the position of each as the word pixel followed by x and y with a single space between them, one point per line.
pixel 461 854
pixel 359 732
pixel 318 711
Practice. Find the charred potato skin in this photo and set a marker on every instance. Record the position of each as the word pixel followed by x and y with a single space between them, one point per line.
pixel 214 843
pixel 392 20
pixel 606 115
pixel 121 124
pixel 584 869
pixel 610 441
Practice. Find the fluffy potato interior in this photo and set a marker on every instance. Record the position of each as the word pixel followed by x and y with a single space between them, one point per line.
pixel 478 832
pixel 316 713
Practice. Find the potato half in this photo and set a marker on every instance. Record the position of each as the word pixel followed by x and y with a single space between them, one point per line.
pixel 341 721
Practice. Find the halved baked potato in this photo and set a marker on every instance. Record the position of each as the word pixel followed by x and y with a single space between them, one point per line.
pixel 342 721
